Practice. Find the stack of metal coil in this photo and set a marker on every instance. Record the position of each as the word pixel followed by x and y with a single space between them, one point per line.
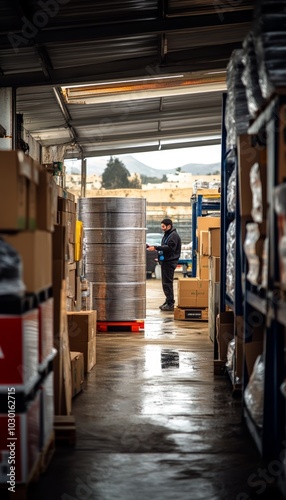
pixel 115 256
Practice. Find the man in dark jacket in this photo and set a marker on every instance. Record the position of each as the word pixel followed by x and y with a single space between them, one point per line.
pixel 168 255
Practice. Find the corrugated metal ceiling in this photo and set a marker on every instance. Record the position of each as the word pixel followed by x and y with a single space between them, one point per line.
pixel 45 45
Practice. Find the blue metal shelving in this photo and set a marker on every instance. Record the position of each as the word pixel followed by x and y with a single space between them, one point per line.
pixel 200 206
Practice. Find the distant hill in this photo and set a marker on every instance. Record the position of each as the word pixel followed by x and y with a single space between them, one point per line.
pixel 96 166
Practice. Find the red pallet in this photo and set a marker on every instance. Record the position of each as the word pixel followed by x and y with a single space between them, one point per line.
pixel 120 326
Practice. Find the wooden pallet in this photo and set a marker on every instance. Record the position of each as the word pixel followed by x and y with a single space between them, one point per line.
pixel 120 326
pixel 65 429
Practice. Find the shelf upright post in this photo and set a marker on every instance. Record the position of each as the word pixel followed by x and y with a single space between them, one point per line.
pixel 194 237
pixel 223 210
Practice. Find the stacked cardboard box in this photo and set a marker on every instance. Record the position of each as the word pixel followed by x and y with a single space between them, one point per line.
pixel 192 294
pixel 82 336
pixel 27 220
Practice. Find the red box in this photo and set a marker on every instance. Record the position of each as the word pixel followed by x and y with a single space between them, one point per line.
pixel 46 329
pixel 19 349
pixel 23 451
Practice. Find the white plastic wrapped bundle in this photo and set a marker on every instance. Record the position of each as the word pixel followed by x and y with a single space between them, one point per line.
pixel 230 260
pixel 280 209
pixel 237 115
pixel 200 185
pixel 250 77
pixel 231 192
pixel 254 392
pixel 230 355
pixel 253 247
pixel 256 188
pixel 11 282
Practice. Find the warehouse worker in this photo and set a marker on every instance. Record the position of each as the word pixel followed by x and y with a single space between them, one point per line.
pixel 168 255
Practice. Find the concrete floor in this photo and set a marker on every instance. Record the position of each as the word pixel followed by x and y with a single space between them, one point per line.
pixel 153 423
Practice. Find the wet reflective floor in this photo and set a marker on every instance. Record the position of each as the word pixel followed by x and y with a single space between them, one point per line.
pixel 154 423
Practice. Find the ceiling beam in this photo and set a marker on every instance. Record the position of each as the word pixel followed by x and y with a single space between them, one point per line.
pixel 151 136
pixel 141 149
pixel 147 117
pixel 91 31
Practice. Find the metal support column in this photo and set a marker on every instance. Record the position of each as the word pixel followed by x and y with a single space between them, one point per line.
pixel 83 178
pixel 8 118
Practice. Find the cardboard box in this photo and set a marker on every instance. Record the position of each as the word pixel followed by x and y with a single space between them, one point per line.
pixel 16 172
pixel 224 332
pixel 77 371
pixel 35 249
pixel 89 352
pixel 214 241
pixel 82 325
pixel 214 269
pixel 32 196
pixel 204 223
pixel 203 267
pixel 192 314
pixel 59 243
pixel 204 243
pixel 247 156
pixel 251 351
pixel 45 201
pixel 192 292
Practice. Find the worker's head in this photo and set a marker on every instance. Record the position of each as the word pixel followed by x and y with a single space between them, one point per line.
pixel 166 224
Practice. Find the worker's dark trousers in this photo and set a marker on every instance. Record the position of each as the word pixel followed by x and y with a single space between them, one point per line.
pixel 167 272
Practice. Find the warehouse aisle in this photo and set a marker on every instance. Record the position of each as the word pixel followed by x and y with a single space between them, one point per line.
pixel 153 423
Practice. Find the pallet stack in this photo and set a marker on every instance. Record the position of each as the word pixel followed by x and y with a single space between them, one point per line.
pixel 196 296
pixel 26 320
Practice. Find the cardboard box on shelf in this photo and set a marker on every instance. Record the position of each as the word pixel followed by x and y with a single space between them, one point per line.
pixel 192 292
pixel 203 267
pixel 32 196
pixel 16 172
pixel 247 156
pixel 82 325
pixel 89 352
pixel 214 269
pixel 35 249
pixel 204 243
pixel 204 223
pixel 214 241
pixel 77 371
pixel 46 195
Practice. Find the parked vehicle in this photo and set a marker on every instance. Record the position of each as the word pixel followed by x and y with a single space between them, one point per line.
pixel 152 256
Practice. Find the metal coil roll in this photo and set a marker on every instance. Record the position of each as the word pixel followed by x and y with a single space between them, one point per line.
pixel 115 256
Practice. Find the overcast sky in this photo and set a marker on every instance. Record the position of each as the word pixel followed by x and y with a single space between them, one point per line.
pixel 177 157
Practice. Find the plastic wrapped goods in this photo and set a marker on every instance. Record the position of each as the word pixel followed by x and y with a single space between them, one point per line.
pixel 237 115
pixel 256 188
pixel 270 44
pixel 230 355
pixel 250 77
pixel 280 209
pixel 230 260
pixel 11 282
pixel 254 392
pixel 253 247
pixel 231 192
